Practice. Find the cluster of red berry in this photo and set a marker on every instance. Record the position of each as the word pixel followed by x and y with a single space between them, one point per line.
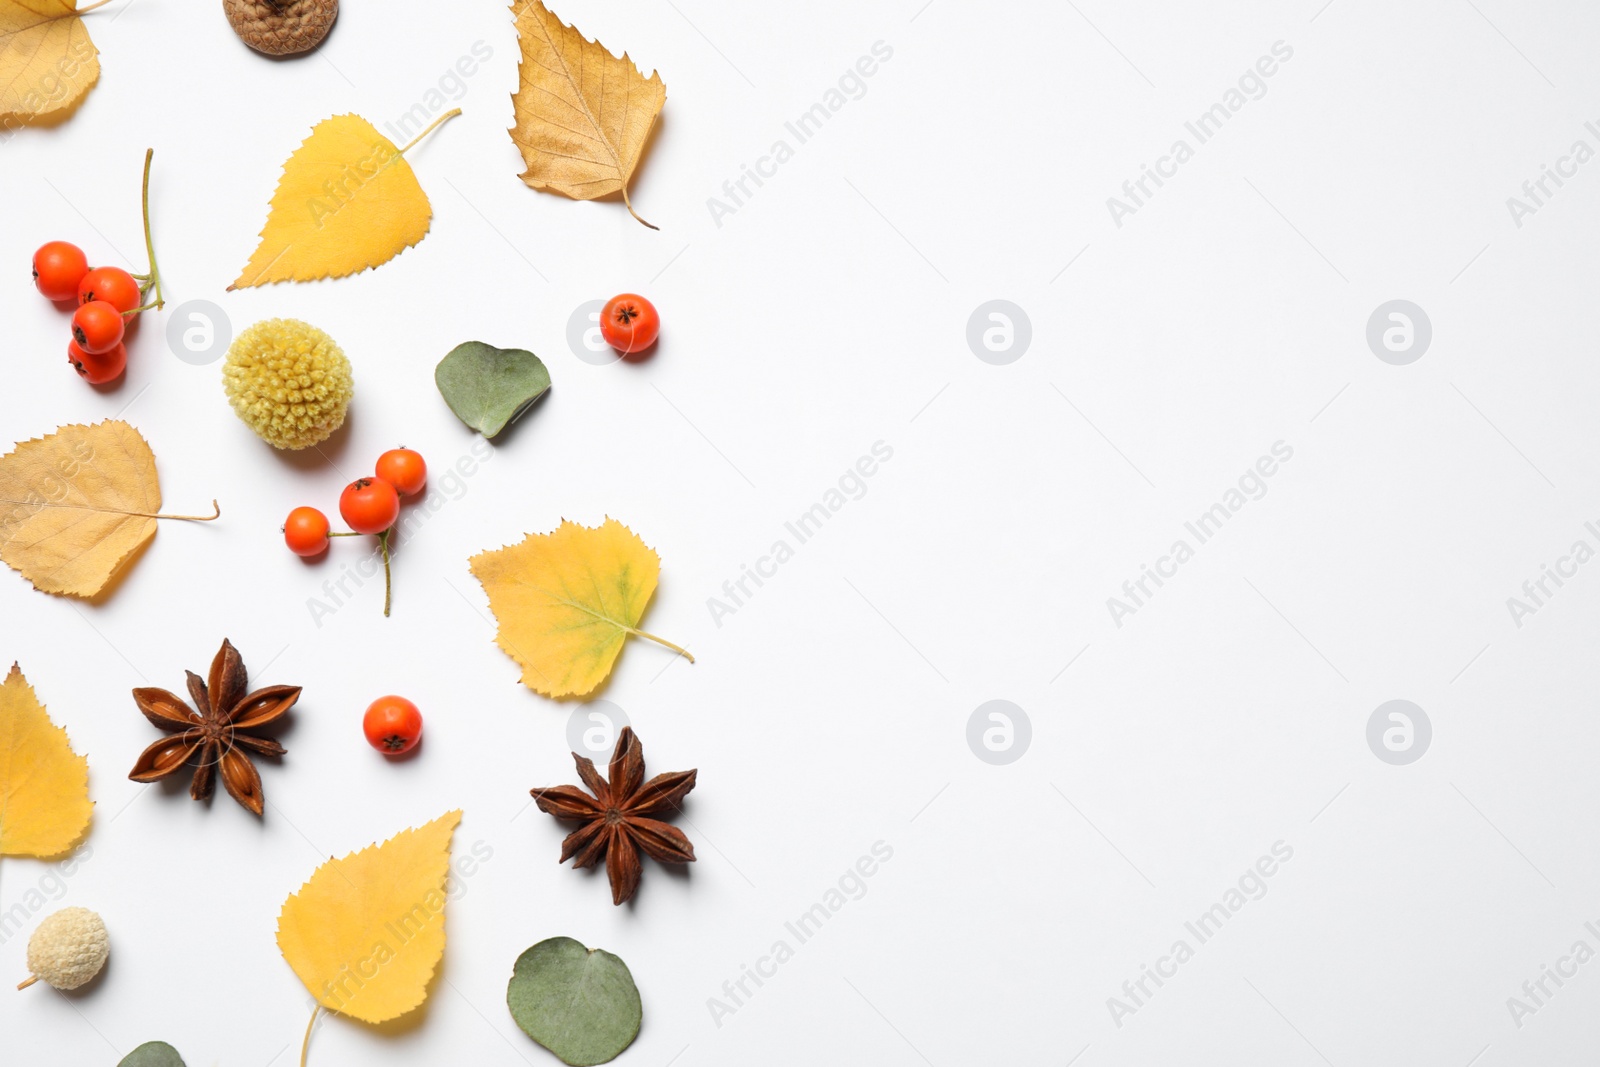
pixel 367 505
pixel 106 297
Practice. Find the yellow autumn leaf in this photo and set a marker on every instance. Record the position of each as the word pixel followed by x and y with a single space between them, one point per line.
pixel 77 504
pixel 566 601
pixel 366 932
pixel 583 115
pixel 348 200
pixel 44 785
pixel 47 61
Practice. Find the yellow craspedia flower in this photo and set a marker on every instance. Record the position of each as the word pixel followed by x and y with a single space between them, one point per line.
pixel 288 381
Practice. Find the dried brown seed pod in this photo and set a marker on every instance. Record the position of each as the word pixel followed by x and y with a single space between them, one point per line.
pixel 281 27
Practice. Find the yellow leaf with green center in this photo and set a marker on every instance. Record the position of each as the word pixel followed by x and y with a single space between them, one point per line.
pixel 44 785
pixel 366 932
pixel 566 601
pixel 347 201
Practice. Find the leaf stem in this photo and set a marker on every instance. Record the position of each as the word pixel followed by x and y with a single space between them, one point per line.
pixel 216 511
pixel 149 245
pixel 629 205
pixel 435 124
pixel 305 1046
pixel 663 641
pixel 383 543
pixel 91 7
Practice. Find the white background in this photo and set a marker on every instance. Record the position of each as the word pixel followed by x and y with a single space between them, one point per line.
pixel 828 313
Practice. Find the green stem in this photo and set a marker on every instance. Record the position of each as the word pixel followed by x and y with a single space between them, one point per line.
pixel 383 543
pixel 149 245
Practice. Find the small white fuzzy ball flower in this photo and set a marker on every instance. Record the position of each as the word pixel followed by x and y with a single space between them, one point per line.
pixel 68 948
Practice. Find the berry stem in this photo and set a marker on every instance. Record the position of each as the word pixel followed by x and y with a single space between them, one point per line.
pixel 149 245
pixel 383 544
pixel 434 125
pixel 663 641
pixel 343 533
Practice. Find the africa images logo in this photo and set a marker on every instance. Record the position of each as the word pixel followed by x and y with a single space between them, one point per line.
pixel 737 191
pixel 1251 85
pixel 1250 885
pixel 1251 485
pixel 850 486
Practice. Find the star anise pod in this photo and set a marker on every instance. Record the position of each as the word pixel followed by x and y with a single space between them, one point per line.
pixel 617 823
pixel 216 732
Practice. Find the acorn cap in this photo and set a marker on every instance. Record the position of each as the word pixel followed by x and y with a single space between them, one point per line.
pixel 281 27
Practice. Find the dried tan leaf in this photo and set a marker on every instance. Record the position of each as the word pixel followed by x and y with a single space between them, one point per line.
pixel 75 506
pixel 583 115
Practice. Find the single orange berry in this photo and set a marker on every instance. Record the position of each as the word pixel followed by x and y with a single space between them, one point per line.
pixel 393 725
pixel 629 323
pixel 113 285
pixel 97 327
pixel 305 531
pixel 97 368
pixel 404 469
pixel 369 505
pixel 57 268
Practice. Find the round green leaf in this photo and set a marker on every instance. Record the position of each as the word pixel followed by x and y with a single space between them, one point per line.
pixel 579 1003
pixel 489 387
pixel 152 1054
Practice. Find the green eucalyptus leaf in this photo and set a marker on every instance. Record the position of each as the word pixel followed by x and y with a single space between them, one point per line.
pixel 579 1003
pixel 152 1054
pixel 488 387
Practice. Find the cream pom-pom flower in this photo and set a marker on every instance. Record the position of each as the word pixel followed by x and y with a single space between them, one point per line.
pixel 67 949
pixel 289 382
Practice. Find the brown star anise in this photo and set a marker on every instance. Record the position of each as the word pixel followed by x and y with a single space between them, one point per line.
pixel 218 734
pixel 616 819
